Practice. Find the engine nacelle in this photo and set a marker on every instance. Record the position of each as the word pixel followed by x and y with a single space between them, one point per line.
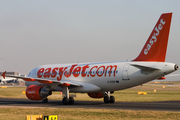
pixel 96 95
pixel 36 92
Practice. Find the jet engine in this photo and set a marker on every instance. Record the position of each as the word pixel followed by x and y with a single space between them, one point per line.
pixel 96 95
pixel 36 92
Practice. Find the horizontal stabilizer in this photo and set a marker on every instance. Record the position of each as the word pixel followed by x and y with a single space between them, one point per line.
pixel 148 68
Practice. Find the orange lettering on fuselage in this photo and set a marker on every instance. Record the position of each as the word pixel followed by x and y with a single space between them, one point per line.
pixel 47 73
pixel 76 71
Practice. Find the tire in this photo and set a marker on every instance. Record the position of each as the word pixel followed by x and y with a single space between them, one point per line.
pixel 71 100
pixel 45 100
pixel 65 101
pixel 112 99
pixel 106 99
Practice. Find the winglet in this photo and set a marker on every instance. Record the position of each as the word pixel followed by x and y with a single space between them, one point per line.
pixel 156 45
pixel 4 74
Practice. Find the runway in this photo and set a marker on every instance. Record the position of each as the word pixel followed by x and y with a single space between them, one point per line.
pixel 155 106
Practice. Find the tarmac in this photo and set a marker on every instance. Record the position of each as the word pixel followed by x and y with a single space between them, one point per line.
pixel 155 106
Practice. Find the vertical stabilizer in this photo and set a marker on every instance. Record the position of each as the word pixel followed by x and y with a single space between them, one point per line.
pixel 156 45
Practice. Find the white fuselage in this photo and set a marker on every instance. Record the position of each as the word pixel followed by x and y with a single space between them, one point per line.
pixel 7 80
pixel 106 76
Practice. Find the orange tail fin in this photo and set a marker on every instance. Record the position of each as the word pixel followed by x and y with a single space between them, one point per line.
pixel 156 45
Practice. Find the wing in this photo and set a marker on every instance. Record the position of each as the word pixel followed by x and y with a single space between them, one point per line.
pixel 43 81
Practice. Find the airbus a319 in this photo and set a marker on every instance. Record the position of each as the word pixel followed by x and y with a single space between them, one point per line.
pixel 100 80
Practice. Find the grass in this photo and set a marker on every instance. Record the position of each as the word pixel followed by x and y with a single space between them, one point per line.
pixel 12 92
pixel 130 95
pixel 88 114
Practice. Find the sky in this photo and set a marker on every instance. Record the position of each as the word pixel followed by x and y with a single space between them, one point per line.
pixel 34 33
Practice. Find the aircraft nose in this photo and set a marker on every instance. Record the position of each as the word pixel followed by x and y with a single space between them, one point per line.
pixel 176 67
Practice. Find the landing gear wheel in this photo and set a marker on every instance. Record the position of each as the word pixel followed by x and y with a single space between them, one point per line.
pixel 71 100
pixel 45 100
pixel 106 99
pixel 65 101
pixel 112 99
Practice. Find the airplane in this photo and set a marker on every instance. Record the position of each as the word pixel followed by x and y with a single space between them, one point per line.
pixel 6 80
pixel 101 79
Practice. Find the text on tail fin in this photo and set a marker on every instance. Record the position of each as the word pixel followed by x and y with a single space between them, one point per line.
pixel 156 45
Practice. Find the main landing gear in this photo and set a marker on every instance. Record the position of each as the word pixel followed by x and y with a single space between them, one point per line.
pixel 45 100
pixel 108 98
pixel 66 99
pixel 44 93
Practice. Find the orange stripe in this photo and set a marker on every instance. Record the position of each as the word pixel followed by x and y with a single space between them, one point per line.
pixel 44 82
pixel 65 85
pixel 161 78
pixel 28 79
